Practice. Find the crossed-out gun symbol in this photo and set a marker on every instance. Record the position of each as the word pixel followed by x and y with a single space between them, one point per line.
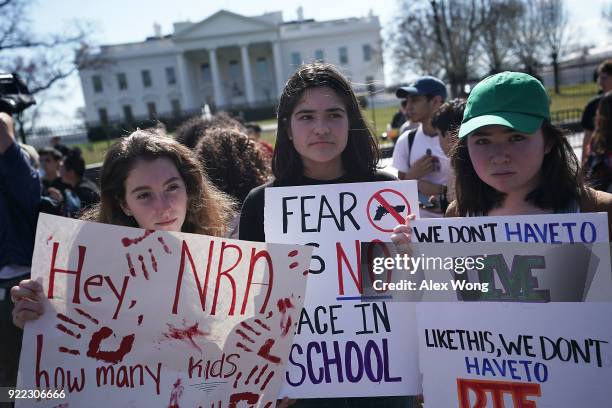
pixel 381 211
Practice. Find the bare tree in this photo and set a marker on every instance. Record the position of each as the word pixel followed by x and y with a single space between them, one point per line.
pixel 554 21
pixel 498 33
pixel 43 61
pixel 606 13
pixel 529 36
pixel 439 36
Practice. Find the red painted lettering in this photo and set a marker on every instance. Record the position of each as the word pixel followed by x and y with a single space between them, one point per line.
pixel 341 257
pixel 95 280
pixel 77 272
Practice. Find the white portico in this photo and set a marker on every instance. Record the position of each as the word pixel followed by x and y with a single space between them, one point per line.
pixel 234 60
pixel 226 60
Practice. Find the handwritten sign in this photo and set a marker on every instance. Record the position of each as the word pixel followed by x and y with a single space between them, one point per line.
pixel 511 346
pixel 346 344
pixel 143 318
pixel 566 254
pixel 515 355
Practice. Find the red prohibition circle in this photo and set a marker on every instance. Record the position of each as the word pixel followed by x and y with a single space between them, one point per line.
pixel 378 197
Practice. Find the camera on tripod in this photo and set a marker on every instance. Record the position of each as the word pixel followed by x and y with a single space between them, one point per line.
pixel 14 94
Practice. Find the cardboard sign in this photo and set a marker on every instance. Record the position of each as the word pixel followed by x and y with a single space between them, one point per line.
pixel 565 254
pixel 514 346
pixel 152 318
pixel 498 355
pixel 346 345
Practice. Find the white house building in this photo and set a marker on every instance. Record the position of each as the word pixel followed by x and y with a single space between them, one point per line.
pixel 226 60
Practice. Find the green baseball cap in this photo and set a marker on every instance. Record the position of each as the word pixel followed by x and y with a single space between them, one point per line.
pixel 511 99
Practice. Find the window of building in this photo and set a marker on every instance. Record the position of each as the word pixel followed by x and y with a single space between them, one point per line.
pixel 127 113
pixel 122 81
pixel 318 54
pixel 97 83
pixel 176 107
pixel 206 73
pixel 235 78
pixel 146 78
pixel 261 67
pixel 296 58
pixel 343 55
pixel 234 70
pixel 170 76
pixel 103 116
pixel 152 110
pixel 367 52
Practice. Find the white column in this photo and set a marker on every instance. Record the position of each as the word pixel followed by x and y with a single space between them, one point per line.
pixel 278 68
pixel 185 82
pixel 246 71
pixel 216 77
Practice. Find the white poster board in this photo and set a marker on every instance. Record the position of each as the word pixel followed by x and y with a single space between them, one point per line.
pixel 346 345
pixel 505 351
pixel 152 318
pixel 522 355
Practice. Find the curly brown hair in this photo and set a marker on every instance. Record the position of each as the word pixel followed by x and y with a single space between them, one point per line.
pixel 234 162
pixel 190 132
pixel 208 209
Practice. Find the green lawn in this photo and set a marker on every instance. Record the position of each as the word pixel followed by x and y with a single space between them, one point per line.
pixel 571 97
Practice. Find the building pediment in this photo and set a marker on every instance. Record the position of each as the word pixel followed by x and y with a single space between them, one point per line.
pixel 222 23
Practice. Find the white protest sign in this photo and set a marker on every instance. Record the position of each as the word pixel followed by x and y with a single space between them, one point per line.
pixel 509 349
pixel 499 355
pixel 345 345
pixel 153 318
pixel 530 245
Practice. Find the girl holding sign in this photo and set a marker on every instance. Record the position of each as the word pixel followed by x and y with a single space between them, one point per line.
pixel 322 138
pixel 148 180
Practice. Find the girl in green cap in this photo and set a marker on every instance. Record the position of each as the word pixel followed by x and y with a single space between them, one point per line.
pixel 510 160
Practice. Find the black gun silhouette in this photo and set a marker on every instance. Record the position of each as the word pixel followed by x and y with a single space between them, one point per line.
pixel 381 211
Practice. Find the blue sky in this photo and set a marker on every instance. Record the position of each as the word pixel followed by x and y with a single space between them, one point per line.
pixel 117 21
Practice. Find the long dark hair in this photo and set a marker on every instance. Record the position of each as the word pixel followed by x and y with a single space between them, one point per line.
pixel 361 153
pixel 602 136
pixel 208 210
pixel 560 181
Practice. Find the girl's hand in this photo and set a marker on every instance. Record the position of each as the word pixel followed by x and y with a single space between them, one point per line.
pixel 285 402
pixel 402 234
pixel 26 297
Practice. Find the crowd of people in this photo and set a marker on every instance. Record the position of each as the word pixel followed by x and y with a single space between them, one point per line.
pixel 495 153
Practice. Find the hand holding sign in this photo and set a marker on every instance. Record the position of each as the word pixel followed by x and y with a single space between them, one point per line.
pixel 26 297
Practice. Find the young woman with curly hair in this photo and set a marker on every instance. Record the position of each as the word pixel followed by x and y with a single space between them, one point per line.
pixel 151 181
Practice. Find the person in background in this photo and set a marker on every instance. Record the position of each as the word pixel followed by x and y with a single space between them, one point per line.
pixel 20 193
pixel 234 163
pixel 193 129
pixel 50 163
pixel 56 143
pixel 417 154
pixel 254 132
pixel 72 173
pixel 604 80
pixel 446 120
pixel 598 166
pixel 398 119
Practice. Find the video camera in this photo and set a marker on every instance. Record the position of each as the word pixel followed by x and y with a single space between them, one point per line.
pixel 14 94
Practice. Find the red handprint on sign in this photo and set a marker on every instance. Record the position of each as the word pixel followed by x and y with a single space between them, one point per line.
pixel 127 242
pixel 95 343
